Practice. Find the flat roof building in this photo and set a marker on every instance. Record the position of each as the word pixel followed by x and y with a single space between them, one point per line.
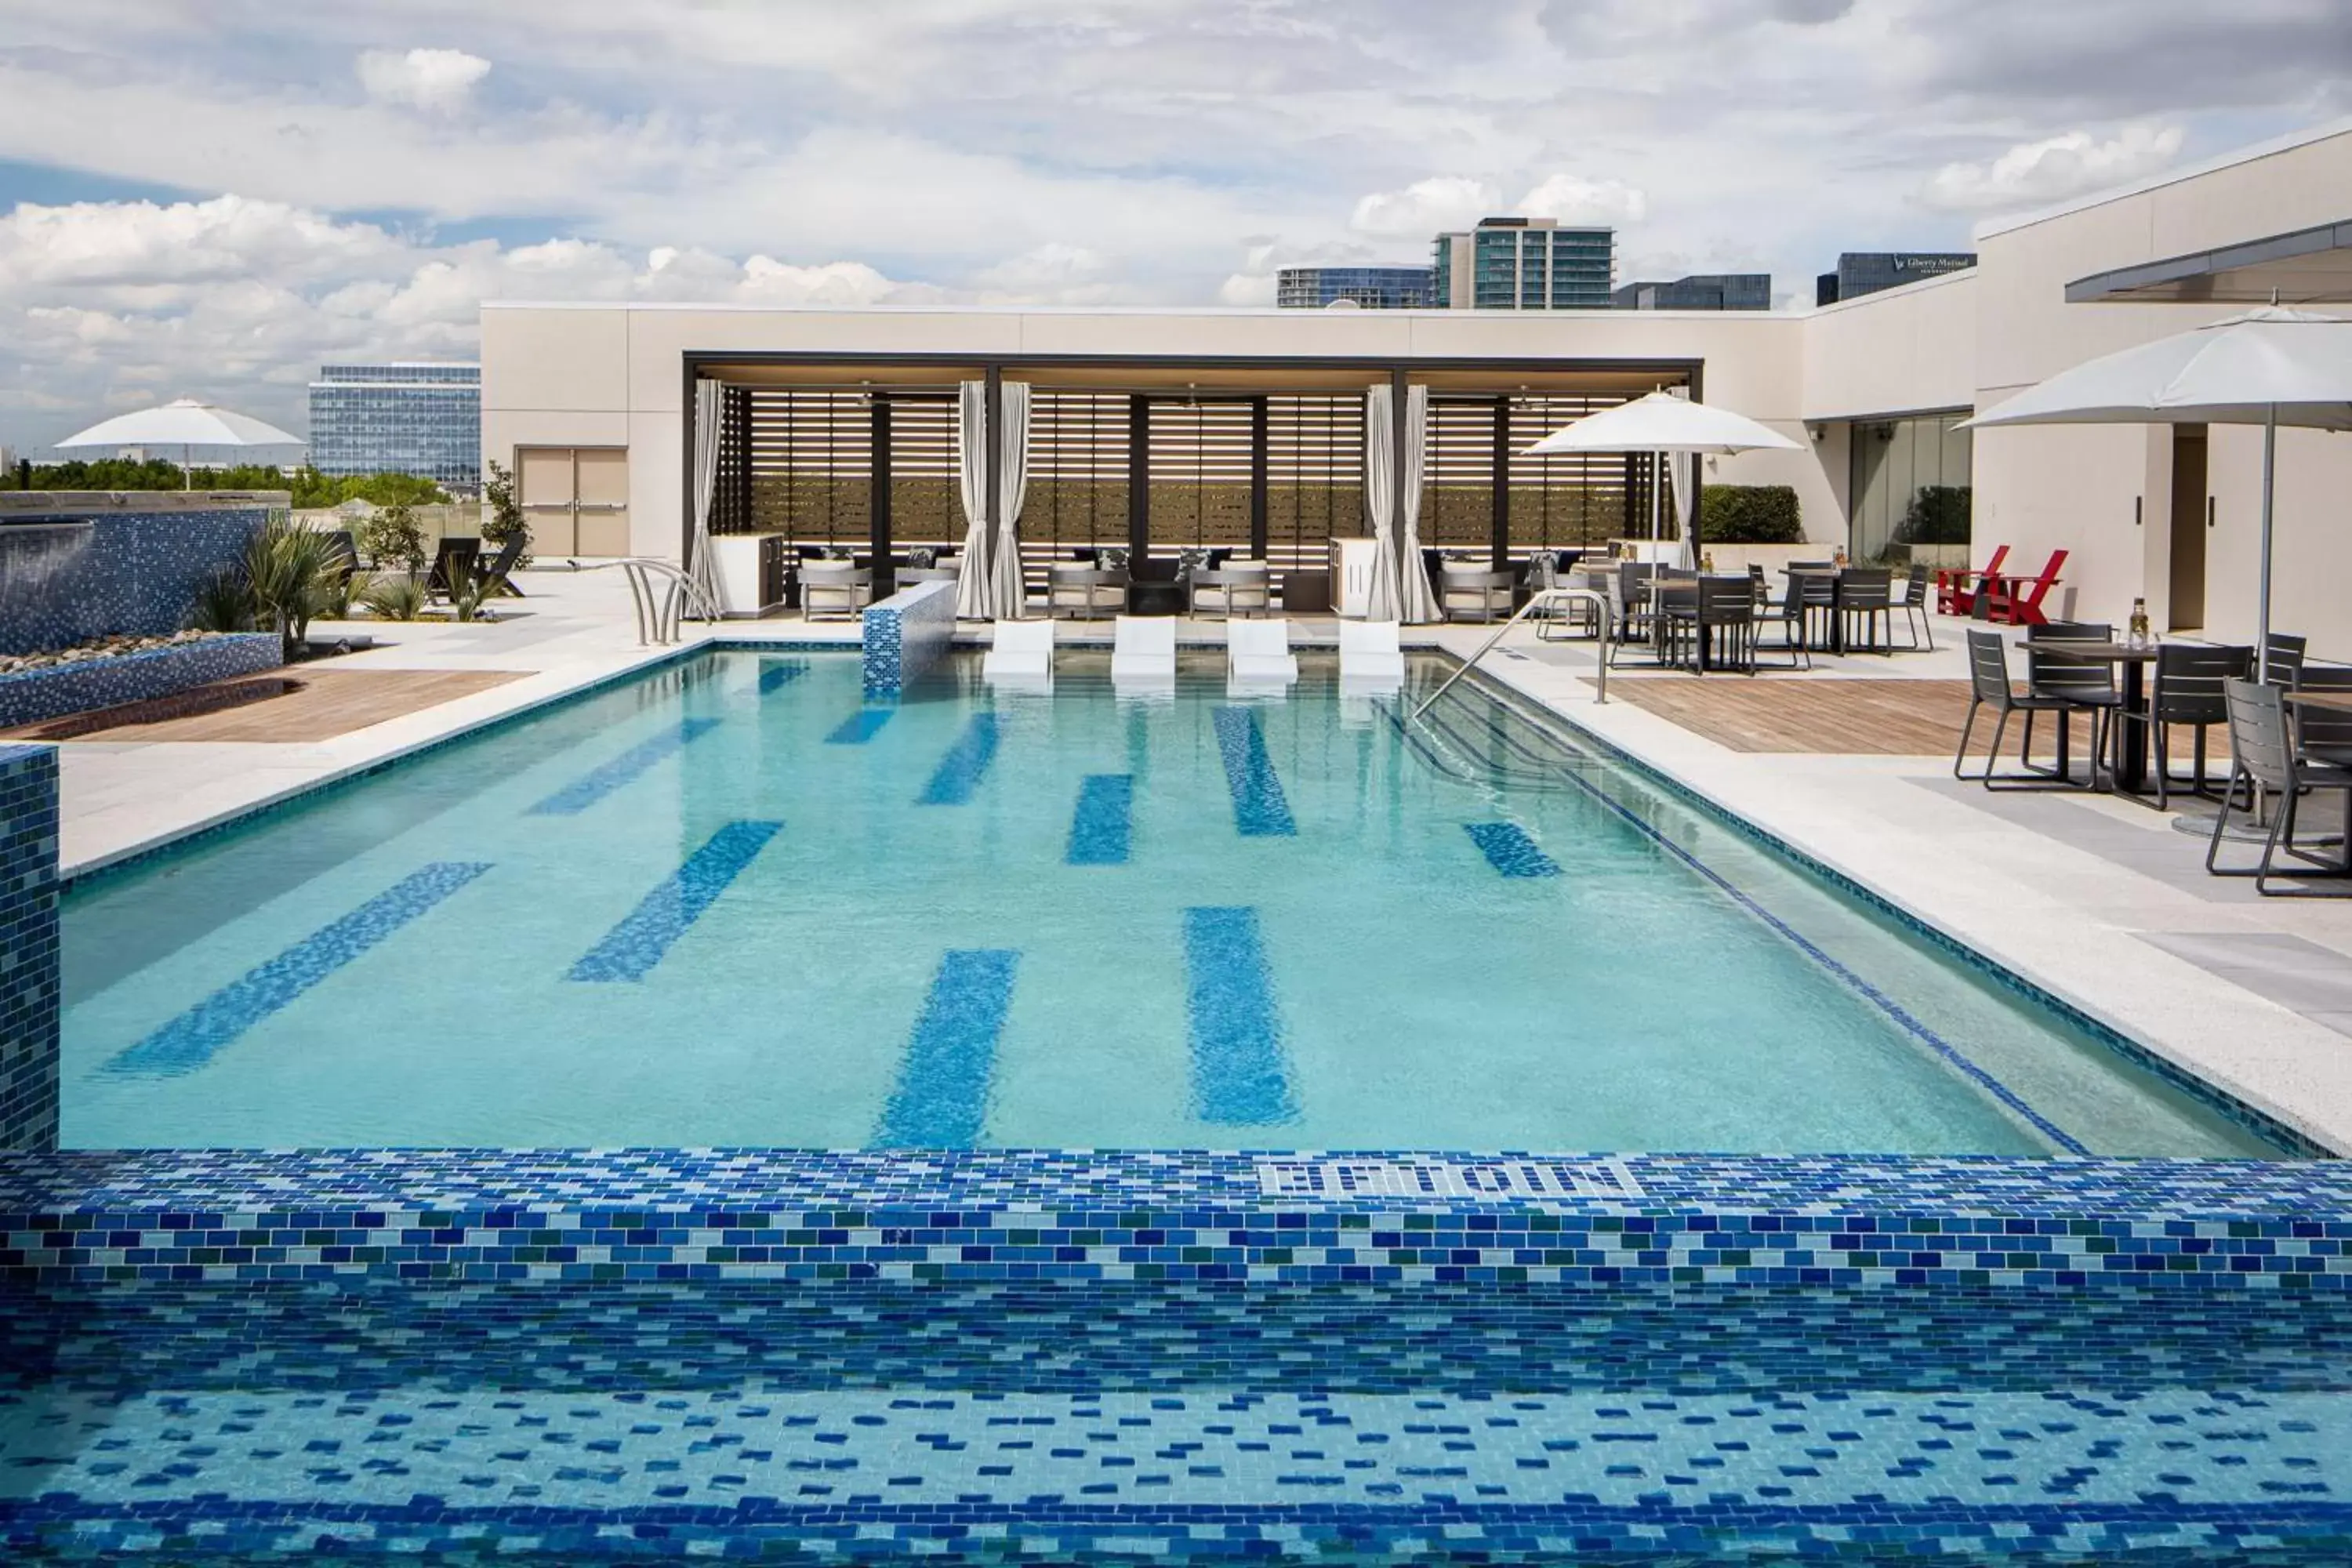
pixel 1372 288
pixel 410 419
pixel 1861 272
pixel 1525 264
pixel 1699 291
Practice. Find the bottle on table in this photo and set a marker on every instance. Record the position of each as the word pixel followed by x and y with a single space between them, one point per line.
pixel 2140 635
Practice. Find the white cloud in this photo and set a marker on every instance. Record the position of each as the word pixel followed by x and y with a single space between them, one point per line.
pixel 1575 200
pixel 439 80
pixel 1246 289
pixel 1425 209
pixel 2054 168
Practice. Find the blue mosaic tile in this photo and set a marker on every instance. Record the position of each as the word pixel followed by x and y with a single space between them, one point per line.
pixel 631 949
pixel 1260 808
pixel 958 777
pixel 1099 827
pixel 941 1096
pixel 904 635
pixel 625 769
pixel 859 727
pixel 1509 850
pixel 191 1039
pixel 1241 1076
pixel 775 674
pixel 29 696
pixel 108 570
pixel 29 949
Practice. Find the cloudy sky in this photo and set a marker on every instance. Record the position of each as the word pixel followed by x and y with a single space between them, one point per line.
pixel 213 197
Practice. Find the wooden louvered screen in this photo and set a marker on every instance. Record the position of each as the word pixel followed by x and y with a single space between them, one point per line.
pixel 812 466
pixel 1077 476
pixel 1200 467
pixel 1567 501
pixel 1457 497
pixel 926 507
pixel 1315 477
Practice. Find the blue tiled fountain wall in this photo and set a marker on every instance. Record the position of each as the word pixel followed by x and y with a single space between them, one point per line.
pixel 907 634
pixel 28 947
pixel 29 696
pixel 74 566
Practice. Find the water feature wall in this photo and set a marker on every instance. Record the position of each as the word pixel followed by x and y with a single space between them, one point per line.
pixel 76 565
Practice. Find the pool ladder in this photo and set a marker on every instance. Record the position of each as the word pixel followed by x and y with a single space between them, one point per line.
pixel 663 596
pixel 1542 598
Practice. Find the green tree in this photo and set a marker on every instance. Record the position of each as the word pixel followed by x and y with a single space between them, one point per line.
pixel 506 520
pixel 393 538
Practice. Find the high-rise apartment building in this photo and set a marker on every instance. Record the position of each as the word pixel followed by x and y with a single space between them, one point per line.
pixel 423 419
pixel 1373 288
pixel 1861 272
pixel 1525 264
pixel 1699 291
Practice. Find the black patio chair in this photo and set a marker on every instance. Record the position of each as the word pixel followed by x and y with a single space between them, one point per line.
pixel 2075 685
pixel 460 551
pixel 1790 615
pixel 1867 593
pixel 2322 735
pixel 2263 753
pixel 2189 689
pixel 497 575
pixel 2285 660
pixel 1914 605
pixel 1988 687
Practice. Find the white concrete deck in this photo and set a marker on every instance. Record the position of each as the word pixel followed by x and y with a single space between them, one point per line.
pixel 2098 900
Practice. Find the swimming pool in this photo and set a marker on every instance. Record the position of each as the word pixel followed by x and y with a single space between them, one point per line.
pixel 732 902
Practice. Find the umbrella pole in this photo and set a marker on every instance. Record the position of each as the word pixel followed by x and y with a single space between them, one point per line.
pixel 2262 615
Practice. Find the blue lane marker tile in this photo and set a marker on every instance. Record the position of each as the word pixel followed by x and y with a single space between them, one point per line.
pixel 942 1097
pixel 191 1039
pixel 632 948
pixel 772 674
pixel 1100 828
pixel 966 763
pixel 859 727
pixel 1509 850
pixel 1260 808
pixel 1239 1076
pixel 597 783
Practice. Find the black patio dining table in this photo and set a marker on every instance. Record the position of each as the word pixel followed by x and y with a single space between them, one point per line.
pixel 2130 775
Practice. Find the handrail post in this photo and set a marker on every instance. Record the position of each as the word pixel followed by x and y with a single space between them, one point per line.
pixel 1541 598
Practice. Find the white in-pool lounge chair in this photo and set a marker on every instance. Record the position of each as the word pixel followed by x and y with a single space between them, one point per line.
pixel 1369 655
pixel 1258 653
pixel 1143 654
pixel 1022 653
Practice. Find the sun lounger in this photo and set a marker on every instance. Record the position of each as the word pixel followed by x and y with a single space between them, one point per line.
pixel 1369 655
pixel 1258 652
pixel 1023 652
pixel 1143 656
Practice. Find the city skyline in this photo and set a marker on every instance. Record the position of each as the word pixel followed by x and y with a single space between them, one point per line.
pixel 218 205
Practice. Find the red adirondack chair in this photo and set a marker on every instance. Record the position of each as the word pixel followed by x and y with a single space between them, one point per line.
pixel 1955 591
pixel 2017 601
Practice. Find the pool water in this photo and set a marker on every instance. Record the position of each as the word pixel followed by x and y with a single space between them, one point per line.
pixel 525 1424
pixel 734 903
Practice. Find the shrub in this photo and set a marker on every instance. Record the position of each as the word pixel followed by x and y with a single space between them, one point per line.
pixel 224 603
pixel 1938 514
pixel 505 518
pixel 395 598
pixel 291 574
pixel 392 539
pixel 1750 514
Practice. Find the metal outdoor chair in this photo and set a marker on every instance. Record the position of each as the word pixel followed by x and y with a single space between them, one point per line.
pixel 1789 615
pixel 1473 595
pixel 1237 590
pixel 1867 593
pixel 2285 660
pixel 1914 605
pixel 2075 685
pixel 2322 735
pixel 1089 593
pixel 1633 582
pixel 2263 753
pixel 2189 689
pixel 1723 613
pixel 1988 687
pixel 839 588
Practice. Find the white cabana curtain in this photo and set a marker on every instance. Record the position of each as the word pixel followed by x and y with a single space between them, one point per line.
pixel 1012 489
pixel 1385 597
pixel 975 586
pixel 1419 602
pixel 702 566
pixel 1686 507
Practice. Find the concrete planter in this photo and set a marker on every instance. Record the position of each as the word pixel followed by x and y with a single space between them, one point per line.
pixel 30 695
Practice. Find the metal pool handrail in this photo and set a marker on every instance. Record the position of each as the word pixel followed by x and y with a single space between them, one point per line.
pixel 660 608
pixel 1541 598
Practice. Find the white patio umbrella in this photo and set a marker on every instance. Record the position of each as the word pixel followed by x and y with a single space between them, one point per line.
pixel 185 424
pixel 1667 425
pixel 2268 367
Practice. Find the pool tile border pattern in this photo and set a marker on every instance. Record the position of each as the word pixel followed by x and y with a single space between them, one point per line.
pixel 906 635
pixel 30 954
pixel 91 1218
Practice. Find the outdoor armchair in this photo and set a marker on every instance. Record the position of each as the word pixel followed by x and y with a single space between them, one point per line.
pixel 2263 753
pixel 1914 605
pixel 2190 679
pixel 1988 687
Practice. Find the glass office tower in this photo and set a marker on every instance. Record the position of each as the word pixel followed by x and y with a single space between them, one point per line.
pixel 1525 264
pixel 1373 288
pixel 424 420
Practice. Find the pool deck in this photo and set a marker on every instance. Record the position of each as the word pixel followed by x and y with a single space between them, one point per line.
pixel 2100 902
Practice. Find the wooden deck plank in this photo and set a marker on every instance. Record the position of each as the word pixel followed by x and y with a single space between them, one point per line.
pixel 302 703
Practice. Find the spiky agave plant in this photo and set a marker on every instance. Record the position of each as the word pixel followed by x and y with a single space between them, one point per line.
pixel 224 602
pixel 395 598
pixel 295 573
